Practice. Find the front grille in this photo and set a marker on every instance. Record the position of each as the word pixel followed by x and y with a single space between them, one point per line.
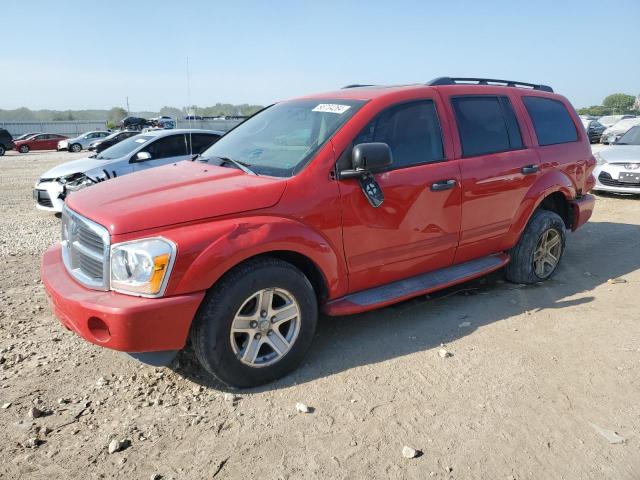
pixel 43 198
pixel 85 250
pixel 605 179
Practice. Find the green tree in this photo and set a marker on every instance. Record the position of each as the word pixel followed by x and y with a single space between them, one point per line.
pixel 116 114
pixel 172 112
pixel 619 103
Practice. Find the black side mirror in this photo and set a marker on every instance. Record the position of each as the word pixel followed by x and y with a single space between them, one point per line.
pixel 368 158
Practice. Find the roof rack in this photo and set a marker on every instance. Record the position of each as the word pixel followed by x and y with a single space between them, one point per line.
pixel 487 81
pixel 356 85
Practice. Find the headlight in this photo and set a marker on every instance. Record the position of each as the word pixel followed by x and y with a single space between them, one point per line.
pixel 599 159
pixel 142 267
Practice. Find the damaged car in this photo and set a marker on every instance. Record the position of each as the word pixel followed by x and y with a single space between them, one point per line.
pixel 134 154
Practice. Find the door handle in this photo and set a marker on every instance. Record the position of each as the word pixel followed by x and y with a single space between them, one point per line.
pixel 443 185
pixel 529 169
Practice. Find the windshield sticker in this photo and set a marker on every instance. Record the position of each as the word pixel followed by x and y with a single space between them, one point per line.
pixel 331 108
pixel 141 140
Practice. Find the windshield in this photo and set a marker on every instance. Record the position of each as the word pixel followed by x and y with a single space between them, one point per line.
pixel 632 137
pixel 281 139
pixel 124 147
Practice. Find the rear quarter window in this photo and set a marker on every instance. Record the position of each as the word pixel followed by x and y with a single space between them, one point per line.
pixel 551 121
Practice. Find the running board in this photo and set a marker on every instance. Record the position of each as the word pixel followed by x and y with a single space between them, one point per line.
pixel 414 286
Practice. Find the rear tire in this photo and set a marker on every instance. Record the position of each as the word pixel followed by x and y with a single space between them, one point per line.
pixel 24 149
pixel 75 148
pixel 537 254
pixel 239 335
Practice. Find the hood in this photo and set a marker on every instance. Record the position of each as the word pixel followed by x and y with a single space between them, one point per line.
pixel 173 194
pixel 621 154
pixel 75 166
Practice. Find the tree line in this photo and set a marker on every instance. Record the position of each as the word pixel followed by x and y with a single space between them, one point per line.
pixel 614 104
pixel 115 114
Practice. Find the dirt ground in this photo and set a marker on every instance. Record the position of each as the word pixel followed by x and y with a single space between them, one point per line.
pixel 539 379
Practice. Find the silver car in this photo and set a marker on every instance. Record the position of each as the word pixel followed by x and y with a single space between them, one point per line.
pixel 134 154
pixel 81 141
pixel 618 166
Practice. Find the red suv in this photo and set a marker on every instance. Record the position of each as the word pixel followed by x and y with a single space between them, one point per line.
pixel 339 202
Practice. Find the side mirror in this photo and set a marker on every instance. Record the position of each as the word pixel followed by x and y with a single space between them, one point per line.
pixel 141 157
pixel 368 158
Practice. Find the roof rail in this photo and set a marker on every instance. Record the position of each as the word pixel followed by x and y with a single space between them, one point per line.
pixel 487 81
pixel 356 85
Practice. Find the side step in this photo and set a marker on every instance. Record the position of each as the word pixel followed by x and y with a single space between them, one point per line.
pixel 394 292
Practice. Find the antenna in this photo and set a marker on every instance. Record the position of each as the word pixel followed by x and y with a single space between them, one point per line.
pixel 189 106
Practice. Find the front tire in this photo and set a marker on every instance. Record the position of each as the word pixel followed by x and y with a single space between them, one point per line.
pixel 24 149
pixel 537 254
pixel 75 148
pixel 256 324
pixel 2 150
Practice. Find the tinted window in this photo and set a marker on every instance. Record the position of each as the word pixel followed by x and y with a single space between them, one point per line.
pixel 632 137
pixel 412 132
pixel 551 121
pixel 171 146
pixel 486 125
pixel 201 141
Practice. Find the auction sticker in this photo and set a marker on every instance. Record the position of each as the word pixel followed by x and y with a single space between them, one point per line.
pixel 331 108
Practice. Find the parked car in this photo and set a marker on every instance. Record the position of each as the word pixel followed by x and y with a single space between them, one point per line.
pixel 611 120
pixel 134 123
pixel 106 142
pixel 6 141
pixel 24 136
pixel 134 154
pixel 594 129
pixel 618 166
pixel 83 141
pixel 390 193
pixel 612 134
pixel 41 141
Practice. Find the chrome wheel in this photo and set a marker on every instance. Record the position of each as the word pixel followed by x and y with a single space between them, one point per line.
pixel 76 148
pixel 547 253
pixel 265 327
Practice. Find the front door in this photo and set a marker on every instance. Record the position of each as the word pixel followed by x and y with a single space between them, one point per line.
pixel 416 228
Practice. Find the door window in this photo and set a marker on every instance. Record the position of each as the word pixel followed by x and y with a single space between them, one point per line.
pixel 201 141
pixel 165 147
pixel 486 124
pixel 412 132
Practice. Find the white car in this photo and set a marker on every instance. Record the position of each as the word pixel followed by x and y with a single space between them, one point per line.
pixel 618 166
pixel 82 141
pixel 611 120
pixel 613 133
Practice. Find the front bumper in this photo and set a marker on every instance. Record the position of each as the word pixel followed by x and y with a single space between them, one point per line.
pixel 607 176
pixel 117 321
pixel 48 196
pixel 582 210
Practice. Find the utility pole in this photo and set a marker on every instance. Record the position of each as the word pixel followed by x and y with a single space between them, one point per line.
pixel 128 112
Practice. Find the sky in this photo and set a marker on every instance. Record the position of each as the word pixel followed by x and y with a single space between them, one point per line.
pixel 84 55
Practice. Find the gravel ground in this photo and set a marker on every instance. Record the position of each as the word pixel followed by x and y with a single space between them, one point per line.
pixel 542 381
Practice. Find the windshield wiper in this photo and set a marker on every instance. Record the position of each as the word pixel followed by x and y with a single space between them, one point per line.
pixel 237 163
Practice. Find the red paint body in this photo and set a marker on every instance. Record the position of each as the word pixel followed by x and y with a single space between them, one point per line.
pixel 42 141
pixel 219 217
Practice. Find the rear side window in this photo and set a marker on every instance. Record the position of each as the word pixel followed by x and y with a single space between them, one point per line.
pixel 486 124
pixel 551 121
pixel 201 141
pixel 165 147
pixel 412 132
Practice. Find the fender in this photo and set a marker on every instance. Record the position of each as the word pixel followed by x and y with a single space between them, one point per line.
pixel 550 182
pixel 208 251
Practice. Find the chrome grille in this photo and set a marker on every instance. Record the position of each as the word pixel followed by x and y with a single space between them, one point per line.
pixel 85 250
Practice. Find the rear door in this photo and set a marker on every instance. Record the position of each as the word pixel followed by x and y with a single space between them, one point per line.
pixel 497 166
pixel 416 229
pixel 164 150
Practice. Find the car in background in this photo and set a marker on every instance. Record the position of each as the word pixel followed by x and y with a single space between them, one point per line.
pixel 24 136
pixel 611 120
pixel 134 154
pixel 134 123
pixel 612 134
pixel 593 128
pixel 41 141
pixel 618 167
pixel 81 142
pixel 6 141
pixel 109 141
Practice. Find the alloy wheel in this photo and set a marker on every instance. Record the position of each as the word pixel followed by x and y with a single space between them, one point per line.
pixel 547 253
pixel 265 327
